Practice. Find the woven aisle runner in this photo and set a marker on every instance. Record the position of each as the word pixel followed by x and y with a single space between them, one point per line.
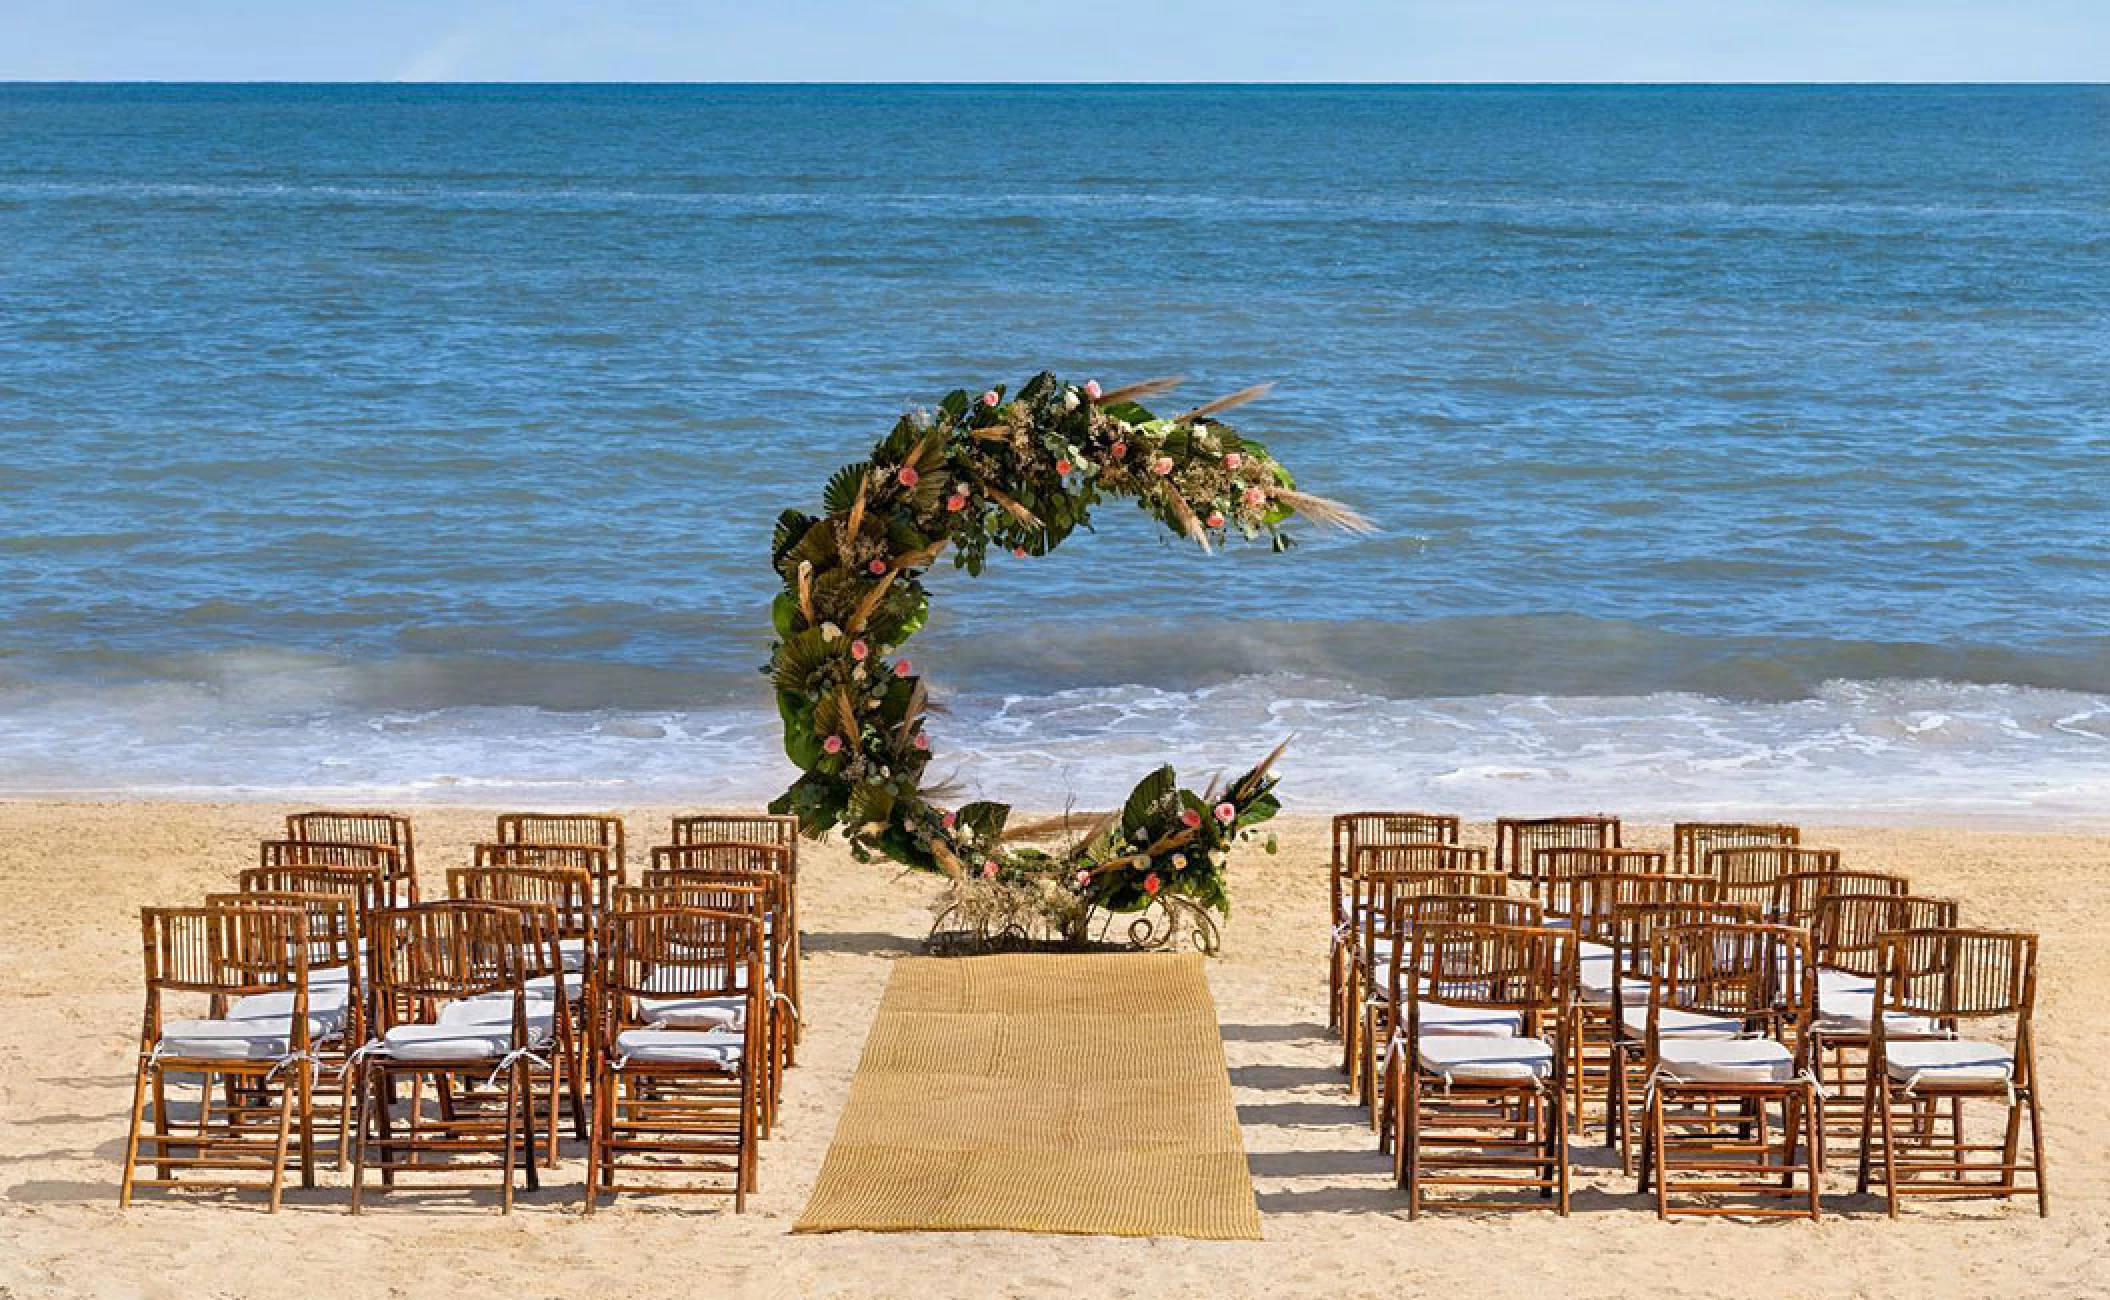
pixel 1071 1093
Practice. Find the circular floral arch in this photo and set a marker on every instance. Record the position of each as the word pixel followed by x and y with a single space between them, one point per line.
pixel 1016 475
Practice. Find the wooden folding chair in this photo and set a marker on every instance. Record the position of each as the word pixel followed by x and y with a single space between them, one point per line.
pixel 1752 873
pixel 676 1106
pixel 588 830
pixel 1797 894
pixel 782 924
pixel 1482 1113
pixel 1848 933
pixel 250 963
pixel 454 1014
pixel 1379 874
pixel 1954 978
pixel 1518 840
pixel 386 859
pixel 389 830
pixel 1725 1045
pixel 1691 842
pixel 1383 1027
pixel 1352 831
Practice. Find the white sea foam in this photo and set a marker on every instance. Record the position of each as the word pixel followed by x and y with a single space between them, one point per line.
pixel 1883 750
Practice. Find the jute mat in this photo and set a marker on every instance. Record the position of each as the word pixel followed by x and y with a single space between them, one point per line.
pixel 1067 1093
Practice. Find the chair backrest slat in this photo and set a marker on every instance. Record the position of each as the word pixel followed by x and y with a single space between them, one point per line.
pixel 1691 842
pixel 1518 838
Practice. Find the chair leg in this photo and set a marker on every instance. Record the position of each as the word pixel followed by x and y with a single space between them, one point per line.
pixel 305 1082
pixel 2036 1146
pixel 365 1087
pixel 285 1137
pixel 162 1169
pixel 1890 1145
pixel 513 1090
pixel 1813 1118
pixel 139 1104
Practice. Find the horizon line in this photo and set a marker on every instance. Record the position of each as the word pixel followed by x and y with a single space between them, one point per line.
pixel 1755 83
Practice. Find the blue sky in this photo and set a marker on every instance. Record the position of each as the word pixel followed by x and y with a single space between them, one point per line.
pixel 1062 40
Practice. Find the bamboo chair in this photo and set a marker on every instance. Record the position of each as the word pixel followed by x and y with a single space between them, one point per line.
pixel 389 830
pixel 1485 1113
pixel 367 889
pixel 696 865
pixel 675 1104
pixel 1517 840
pixel 747 894
pixel 586 830
pixel 1353 831
pixel 451 988
pixel 228 955
pixel 1709 1127
pixel 1558 874
pixel 1797 895
pixel 1751 873
pixel 561 901
pixel 384 858
pixel 782 930
pixel 1634 932
pixel 1692 842
pixel 1848 933
pixel 337 1008
pixel 1379 873
pixel 1954 978
pixel 601 865
pixel 1384 1032
pixel 776 831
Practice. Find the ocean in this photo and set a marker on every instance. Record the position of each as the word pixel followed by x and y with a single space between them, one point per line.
pixel 1735 450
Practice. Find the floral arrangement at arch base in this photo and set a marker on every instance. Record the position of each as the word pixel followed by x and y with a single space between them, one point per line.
pixel 1001 474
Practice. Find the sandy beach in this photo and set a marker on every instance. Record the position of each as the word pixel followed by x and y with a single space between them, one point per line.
pixel 74 876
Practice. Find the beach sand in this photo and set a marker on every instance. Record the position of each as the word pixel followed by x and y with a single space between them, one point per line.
pixel 74 876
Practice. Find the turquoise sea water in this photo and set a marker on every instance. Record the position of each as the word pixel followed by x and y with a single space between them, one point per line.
pixel 1733 448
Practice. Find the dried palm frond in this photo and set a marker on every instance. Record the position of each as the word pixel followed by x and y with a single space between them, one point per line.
pixel 1322 511
pixel 1101 824
pixel 1013 508
pixel 853 523
pixel 871 602
pixel 941 791
pixel 925 447
pixel 846 717
pixel 922 559
pixel 947 863
pixel 1046 826
pixel 1248 787
pixel 1138 391
pixel 1184 513
pixel 1221 404
pixel 910 714
pixel 806 592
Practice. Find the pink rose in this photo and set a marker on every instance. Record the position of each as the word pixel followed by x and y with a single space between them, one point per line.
pixel 988 871
pixel 1226 813
pixel 1215 519
pixel 1190 818
pixel 1161 466
pixel 1233 461
pixel 1063 467
pixel 1083 878
pixel 947 820
pixel 1151 884
pixel 908 476
pixel 1091 389
pixel 956 502
pixel 1118 450
pixel 833 744
pixel 1255 497
pixel 858 651
pixel 902 668
pixel 1018 552
pixel 923 742
pixel 989 398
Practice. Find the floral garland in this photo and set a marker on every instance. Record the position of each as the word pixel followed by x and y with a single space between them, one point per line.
pixel 1020 476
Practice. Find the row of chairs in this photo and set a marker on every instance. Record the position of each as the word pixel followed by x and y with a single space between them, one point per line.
pixel 434 1037
pixel 1730 1008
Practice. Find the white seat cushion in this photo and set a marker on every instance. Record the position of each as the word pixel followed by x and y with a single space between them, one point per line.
pixel 261 1039
pixel 1594 976
pixel 696 1013
pixel 326 1009
pixel 1590 950
pixel 1949 1062
pixel 498 1012
pixel 320 975
pixel 1674 1023
pixel 1473 1059
pixel 712 1049
pixel 1735 1060
pixel 451 1043
pixel 1854 1013
pixel 573 953
pixel 1470 1022
pixel 1831 983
